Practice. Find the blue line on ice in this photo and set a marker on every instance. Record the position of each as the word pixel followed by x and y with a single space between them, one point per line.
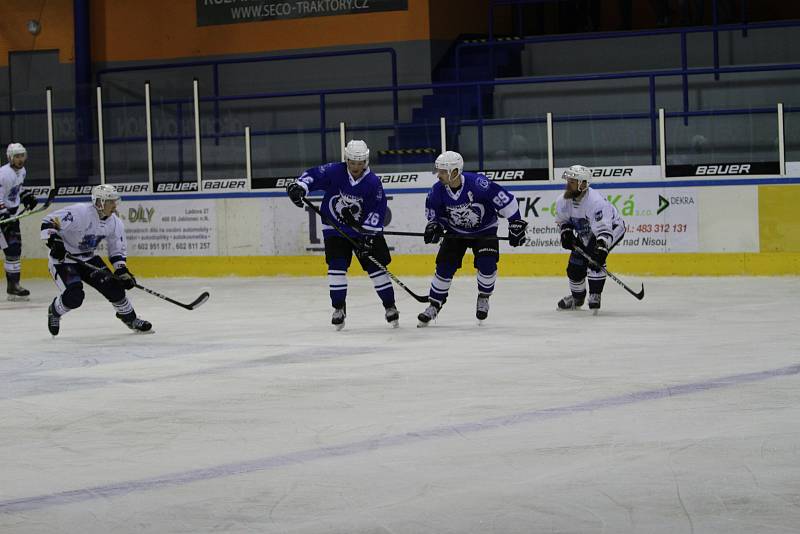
pixel 356 447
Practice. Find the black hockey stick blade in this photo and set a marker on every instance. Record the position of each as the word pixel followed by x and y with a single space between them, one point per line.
pixel 196 303
pixel 580 250
pixel 640 294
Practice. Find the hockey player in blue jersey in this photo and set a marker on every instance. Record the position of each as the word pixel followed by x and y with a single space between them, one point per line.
pixel 589 221
pixel 354 201
pixel 467 204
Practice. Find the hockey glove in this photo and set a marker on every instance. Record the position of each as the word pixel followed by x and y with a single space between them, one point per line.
pixel 349 217
pixel 100 277
pixel 600 252
pixel 568 238
pixel 296 193
pixel 433 232
pixel 516 232
pixel 28 200
pixel 4 215
pixel 56 246
pixel 125 278
pixel 366 246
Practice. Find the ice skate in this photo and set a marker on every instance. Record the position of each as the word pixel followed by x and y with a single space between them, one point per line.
pixel 15 291
pixel 53 320
pixel 140 326
pixel 429 314
pixel 482 307
pixel 337 320
pixel 570 303
pixel 594 303
pixel 18 293
pixel 393 316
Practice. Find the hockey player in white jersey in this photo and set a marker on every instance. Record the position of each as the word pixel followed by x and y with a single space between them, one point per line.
pixel 78 230
pixel 587 220
pixel 12 177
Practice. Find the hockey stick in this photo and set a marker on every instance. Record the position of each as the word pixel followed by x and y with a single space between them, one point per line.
pixel 196 303
pixel 580 250
pixel 34 211
pixel 448 235
pixel 418 298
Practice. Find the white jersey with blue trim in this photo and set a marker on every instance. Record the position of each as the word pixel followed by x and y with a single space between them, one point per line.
pixel 82 230
pixel 591 214
pixel 474 208
pixel 11 181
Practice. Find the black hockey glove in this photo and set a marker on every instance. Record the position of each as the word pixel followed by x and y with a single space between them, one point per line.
pixel 516 232
pixel 600 252
pixel 56 246
pixel 296 193
pixel 4 215
pixel 349 217
pixel 365 246
pixel 568 238
pixel 125 278
pixel 433 232
pixel 28 200
pixel 100 277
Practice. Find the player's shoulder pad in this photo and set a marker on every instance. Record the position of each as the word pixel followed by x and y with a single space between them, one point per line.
pixel 481 181
pixel 326 167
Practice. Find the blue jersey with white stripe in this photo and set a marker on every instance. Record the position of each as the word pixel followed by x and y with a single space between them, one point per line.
pixel 364 197
pixel 474 208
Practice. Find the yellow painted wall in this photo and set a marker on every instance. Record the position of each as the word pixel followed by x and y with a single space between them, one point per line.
pixel 779 220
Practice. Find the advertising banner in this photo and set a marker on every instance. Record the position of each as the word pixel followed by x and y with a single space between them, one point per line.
pixel 170 227
pixel 214 12
pixel 629 173
pixel 755 168
pixel 656 219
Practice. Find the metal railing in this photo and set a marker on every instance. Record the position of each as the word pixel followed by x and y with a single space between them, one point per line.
pixel 492 44
pixel 480 121
pixel 215 65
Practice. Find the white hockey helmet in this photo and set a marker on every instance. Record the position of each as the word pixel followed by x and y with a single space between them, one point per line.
pixel 14 149
pixel 104 192
pixel 578 172
pixel 447 161
pixel 356 150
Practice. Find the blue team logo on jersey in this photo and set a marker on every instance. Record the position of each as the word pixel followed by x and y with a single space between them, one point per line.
pixel 482 182
pixel 342 201
pixel 465 215
pixel 13 193
pixel 90 241
pixel 598 216
pixel 582 227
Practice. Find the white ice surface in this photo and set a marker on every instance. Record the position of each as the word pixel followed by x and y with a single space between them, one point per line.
pixel 680 413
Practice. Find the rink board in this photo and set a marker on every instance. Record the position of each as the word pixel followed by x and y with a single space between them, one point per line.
pixel 732 227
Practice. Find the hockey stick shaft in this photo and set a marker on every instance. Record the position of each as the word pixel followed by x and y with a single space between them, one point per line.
pixel 199 301
pixel 418 298
pixel 593 263
pixel 28 213
pixel 447 236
